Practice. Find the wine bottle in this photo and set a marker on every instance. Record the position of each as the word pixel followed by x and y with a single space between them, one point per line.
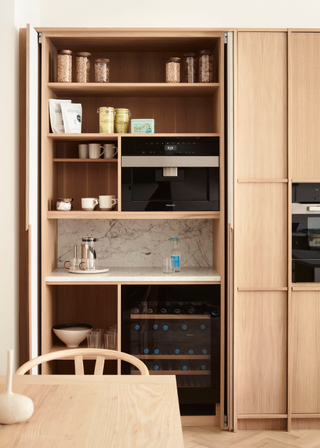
pixel 190 308
pixel 176 308
pixel 135 309
pixel 149 310
pixel 184 367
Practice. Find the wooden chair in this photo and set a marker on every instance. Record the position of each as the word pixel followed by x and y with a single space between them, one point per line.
pixel 79 353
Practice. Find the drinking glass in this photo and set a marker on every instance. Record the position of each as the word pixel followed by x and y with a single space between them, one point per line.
pixel 166 266
pixel 95 338
pixel 110 339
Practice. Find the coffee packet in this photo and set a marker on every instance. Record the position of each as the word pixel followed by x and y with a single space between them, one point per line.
pixel 56 120
pixel 72 117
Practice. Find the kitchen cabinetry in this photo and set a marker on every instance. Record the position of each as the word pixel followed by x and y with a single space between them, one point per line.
pixel 137 81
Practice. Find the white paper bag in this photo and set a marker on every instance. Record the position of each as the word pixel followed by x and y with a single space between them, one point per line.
pixel 56 120
pixel 72 117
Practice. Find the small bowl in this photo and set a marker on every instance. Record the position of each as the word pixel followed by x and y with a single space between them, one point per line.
pixel 72 334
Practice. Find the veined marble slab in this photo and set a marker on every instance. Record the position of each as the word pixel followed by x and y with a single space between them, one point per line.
pixel 124 274
pixel 139 243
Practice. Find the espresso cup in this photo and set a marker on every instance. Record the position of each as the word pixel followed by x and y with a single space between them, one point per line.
pixel 107 202
pixel 95 150
pixel 89 204
pixel 83 151
pixel 109 150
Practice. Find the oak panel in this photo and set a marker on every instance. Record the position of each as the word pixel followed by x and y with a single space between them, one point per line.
pixel 305 352
pixel 305 104
pixel 262 105
pixel 261 352
pixel 261 238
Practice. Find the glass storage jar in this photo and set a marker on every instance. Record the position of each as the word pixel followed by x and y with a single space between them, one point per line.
pixel 206 66
pixel 83 67
pixel 190 67
pixel 101 70
pixel 64 66
pixel 64 204
pixel 173 70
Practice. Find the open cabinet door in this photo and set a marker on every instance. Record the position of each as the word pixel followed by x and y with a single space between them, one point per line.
pixel 29 194
pixel 229 230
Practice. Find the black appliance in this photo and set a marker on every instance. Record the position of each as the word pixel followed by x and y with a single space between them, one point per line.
pixel 306 232
pixel 170 173
pixel 175 329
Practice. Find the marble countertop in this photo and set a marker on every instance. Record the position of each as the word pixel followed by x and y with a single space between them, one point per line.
pixel 119 275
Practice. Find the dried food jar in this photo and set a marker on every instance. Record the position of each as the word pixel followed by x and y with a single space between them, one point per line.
pixel 106 120
pixel 64 66
pixel 121 121
pixel 206 66
pixel 64 204
pixel 101 70
pixel 83 66
pixel 173 70
pixel 190 67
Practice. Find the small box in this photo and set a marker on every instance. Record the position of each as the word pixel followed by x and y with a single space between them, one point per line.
pixel 142 126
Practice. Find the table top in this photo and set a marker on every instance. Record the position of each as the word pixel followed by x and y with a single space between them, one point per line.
pixel 89 411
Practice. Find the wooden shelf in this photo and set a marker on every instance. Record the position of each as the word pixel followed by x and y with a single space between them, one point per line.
pixel 174 372
pixel 133 89
pixel 79 214
pixel 173 357
pixel 170 316
pixel 75 160
pixel 89 136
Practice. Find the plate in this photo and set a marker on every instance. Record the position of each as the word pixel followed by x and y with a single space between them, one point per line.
pixel 101 270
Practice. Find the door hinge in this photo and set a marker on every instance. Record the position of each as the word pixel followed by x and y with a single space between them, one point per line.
pixel 225 420
pixel 40 38
pixel 225 38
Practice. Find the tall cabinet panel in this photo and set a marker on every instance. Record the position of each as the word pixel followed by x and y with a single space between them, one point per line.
pixel 260 235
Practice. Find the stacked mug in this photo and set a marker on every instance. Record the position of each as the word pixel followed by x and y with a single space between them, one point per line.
pixel 96 150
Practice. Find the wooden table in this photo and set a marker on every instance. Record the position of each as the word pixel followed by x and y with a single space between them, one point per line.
pixel 96 411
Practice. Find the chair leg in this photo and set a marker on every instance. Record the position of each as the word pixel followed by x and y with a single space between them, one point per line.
pixel 78 365
pixel 98 370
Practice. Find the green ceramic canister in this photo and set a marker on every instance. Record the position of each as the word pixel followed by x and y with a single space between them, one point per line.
pixel 106 120
pixel 121 122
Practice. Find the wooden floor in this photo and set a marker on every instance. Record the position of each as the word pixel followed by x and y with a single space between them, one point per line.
pixel 208 437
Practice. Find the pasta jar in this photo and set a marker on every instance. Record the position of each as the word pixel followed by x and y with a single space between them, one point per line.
pixel 206 66
pixel 121 122
pixel 83 67
pixel 106 120
pixel 65 66
pixel 173 70
pixel 190 67
pixel 101 70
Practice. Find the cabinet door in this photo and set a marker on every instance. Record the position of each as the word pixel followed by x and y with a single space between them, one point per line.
pixel 260 352
pixel 304 104
pixel 305 352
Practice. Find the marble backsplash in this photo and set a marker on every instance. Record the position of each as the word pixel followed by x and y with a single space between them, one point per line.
pixel 139 243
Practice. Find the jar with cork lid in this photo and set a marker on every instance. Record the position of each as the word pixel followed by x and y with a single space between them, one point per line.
pixel 190 67
pixel 83 66
pixel 173 70
pixel 101 70
pixel 206 66
pixel 64 66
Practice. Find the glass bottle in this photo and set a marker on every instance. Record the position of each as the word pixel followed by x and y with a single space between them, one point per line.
pixel 190 67
pixel 176 256
pixel 206 66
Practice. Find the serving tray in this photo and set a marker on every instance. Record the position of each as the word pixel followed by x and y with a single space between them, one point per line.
pixel 101 270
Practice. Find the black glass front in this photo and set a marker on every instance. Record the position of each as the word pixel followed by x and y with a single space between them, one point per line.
pixel 175 329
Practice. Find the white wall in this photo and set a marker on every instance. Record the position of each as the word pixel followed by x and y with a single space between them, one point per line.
pixel 181 13
pixel 100 13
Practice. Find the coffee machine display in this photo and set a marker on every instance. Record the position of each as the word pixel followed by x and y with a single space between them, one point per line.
pixel 175 329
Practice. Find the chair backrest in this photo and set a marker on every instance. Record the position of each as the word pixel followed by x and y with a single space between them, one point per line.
pixel 79 353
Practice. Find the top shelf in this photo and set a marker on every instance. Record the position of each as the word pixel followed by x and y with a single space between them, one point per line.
pixel 134 89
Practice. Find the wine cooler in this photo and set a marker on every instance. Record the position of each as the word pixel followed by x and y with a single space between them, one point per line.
pixel 175 330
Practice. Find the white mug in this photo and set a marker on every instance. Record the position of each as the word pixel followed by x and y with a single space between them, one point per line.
pixel 89 204
pixel 107 202
pixel 83 151
pixel 109 150
pixel 94 150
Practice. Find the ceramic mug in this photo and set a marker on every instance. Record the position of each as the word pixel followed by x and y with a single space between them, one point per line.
pixel 89 204
pixel 109 150
pixel 95 150
pixel 83 151
pixel 107 202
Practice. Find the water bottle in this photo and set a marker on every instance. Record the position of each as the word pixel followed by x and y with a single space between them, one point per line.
pixel 176 256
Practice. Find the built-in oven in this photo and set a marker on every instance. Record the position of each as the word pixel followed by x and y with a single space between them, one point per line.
pixel 170 173
pixel 306 232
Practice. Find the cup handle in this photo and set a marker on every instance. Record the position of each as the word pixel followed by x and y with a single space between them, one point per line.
pixel 114 201
pixel 116 151
pixel 82 262
pixel 102 147
pixel 96 202
pixel 68 261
